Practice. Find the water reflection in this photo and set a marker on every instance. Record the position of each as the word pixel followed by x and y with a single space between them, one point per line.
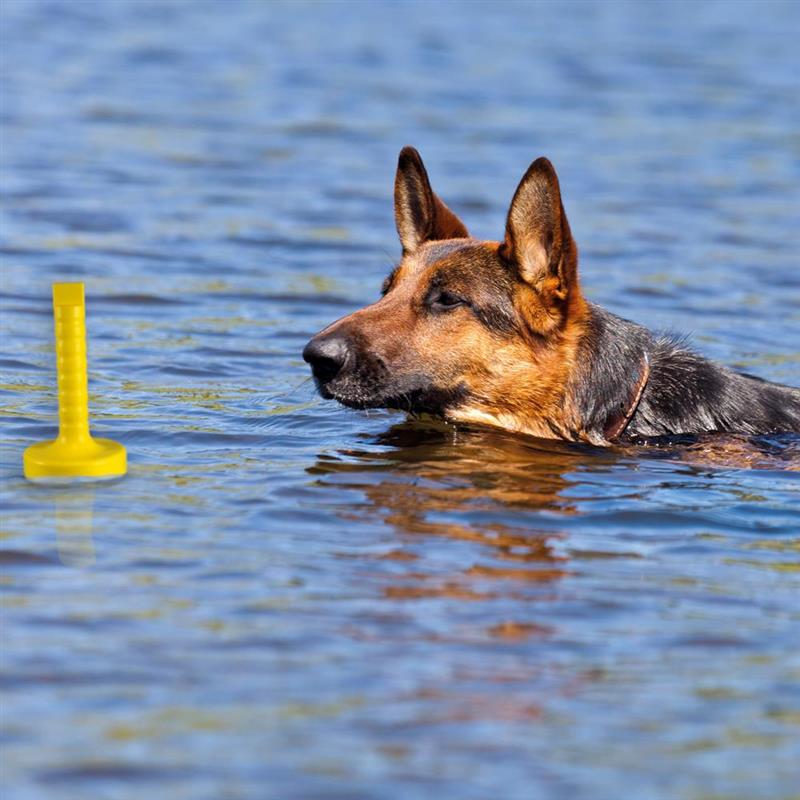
pixel 468 486
pixel 73 513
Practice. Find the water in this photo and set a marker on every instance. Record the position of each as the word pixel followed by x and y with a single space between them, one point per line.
pixel 288 599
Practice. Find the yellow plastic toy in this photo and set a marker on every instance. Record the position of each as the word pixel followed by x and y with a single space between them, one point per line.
pixel 74 454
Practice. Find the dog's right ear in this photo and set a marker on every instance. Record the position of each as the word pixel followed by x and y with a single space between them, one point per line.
pixel 420 215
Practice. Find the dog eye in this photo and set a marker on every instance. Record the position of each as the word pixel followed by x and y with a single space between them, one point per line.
pixel 444 301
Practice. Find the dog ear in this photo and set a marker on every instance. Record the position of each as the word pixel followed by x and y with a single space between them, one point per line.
pixel 538 239
pixel 420 215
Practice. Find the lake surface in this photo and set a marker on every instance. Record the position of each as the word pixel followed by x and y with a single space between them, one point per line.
pixel 288 599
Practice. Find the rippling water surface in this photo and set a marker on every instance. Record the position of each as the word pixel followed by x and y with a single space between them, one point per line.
pixel 288 599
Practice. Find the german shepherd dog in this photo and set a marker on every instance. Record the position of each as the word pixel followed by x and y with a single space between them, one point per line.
pixel 499 333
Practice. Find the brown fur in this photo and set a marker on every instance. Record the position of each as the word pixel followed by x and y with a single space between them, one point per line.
pixel 512 379
pixel 500 333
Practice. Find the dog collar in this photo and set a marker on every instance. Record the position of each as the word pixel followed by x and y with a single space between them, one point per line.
pixel 616 426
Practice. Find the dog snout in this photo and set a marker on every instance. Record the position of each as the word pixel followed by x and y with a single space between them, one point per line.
pixel 327 356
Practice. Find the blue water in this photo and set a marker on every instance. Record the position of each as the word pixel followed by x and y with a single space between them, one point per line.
pixel 288 599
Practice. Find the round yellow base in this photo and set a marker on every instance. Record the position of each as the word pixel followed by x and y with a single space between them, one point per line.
pixel 97 458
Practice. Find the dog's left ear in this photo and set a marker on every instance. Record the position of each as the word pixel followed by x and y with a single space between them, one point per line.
pixel 538 239
pixel 419 213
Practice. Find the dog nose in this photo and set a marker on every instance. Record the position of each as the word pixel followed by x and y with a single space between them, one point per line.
pixel 327 356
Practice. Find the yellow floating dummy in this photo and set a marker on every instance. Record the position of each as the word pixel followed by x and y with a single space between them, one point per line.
pixel 74 454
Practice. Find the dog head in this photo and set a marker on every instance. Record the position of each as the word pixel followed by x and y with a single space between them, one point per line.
pixel 466 329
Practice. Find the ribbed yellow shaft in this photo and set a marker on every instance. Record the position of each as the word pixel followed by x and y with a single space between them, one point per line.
pixel 69 310
pixel 74 454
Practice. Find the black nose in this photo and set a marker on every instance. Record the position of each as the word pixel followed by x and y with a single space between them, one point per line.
pixel 327 356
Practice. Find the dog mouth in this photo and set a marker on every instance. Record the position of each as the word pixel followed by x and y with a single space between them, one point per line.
pixel 416 397
pixel 349 397
pixel 365 380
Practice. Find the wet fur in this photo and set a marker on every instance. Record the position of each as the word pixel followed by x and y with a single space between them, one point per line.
pixel 522 349
pixel 686 393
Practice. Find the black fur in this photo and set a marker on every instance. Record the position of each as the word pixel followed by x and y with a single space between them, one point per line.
pixel 685 393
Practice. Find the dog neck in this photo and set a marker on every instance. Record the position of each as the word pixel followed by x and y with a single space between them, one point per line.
pixel 611 383
pixel 617 423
